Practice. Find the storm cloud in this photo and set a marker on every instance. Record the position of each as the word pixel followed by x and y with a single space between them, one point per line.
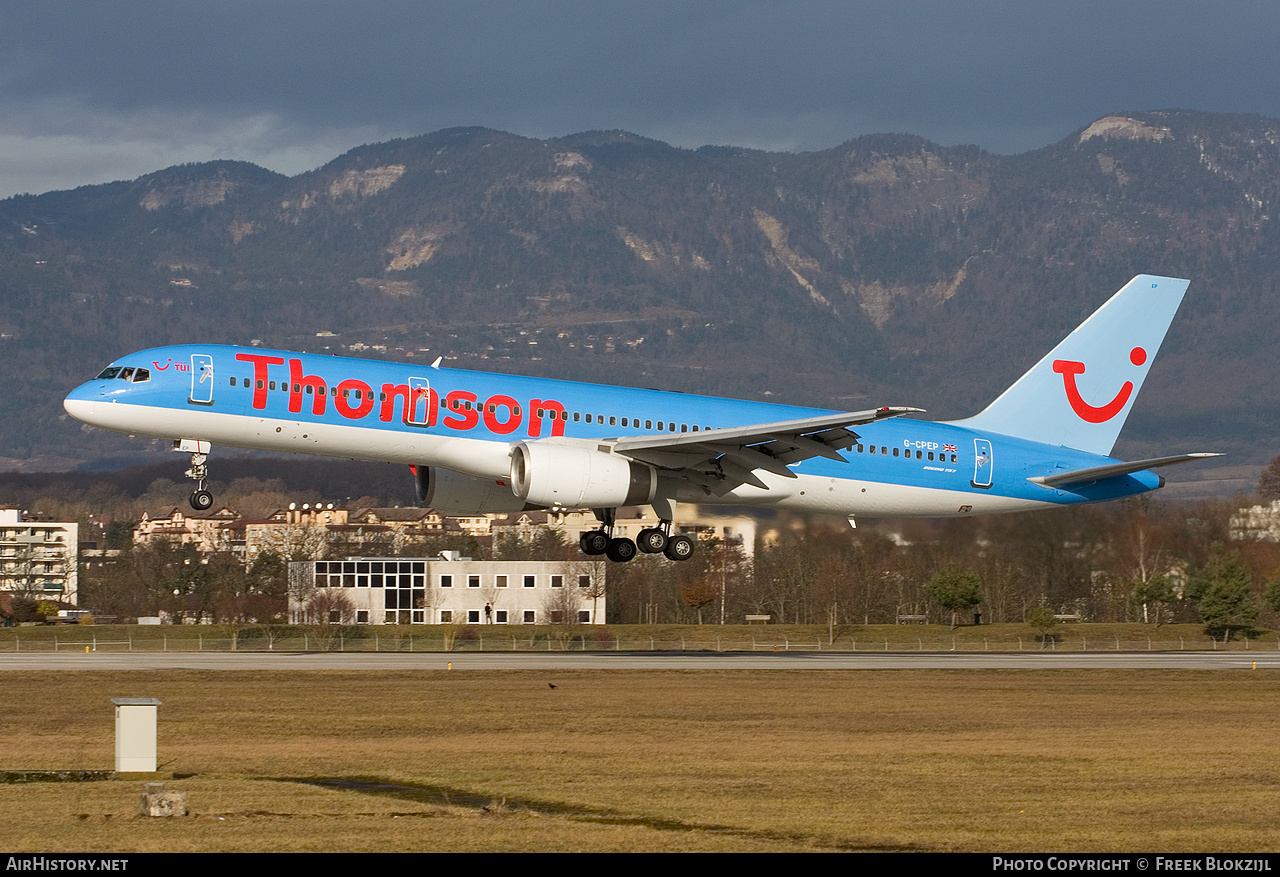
pixel 96 92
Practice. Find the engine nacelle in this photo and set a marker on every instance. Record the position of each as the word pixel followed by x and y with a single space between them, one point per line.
pixel 562 476
pixel 450 491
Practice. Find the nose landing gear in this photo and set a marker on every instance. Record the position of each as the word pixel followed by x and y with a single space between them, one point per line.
pixel 201 499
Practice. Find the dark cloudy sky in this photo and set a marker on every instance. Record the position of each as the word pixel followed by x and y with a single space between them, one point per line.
pixel 98 91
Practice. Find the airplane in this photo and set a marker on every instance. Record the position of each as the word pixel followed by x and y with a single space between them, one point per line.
pixel 483 443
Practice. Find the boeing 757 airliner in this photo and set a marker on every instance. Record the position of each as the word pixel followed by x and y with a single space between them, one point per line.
pixel 481 442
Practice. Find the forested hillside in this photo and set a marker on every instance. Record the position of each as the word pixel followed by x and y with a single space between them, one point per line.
pixel 887 270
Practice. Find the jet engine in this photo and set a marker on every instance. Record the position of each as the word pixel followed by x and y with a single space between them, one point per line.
pixel 563 476
pixel 451 491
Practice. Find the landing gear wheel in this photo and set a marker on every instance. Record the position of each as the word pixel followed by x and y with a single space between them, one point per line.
pixel 202 500
pixel 594 542
pixel 679 547
pixel 621 550
pixel 651 540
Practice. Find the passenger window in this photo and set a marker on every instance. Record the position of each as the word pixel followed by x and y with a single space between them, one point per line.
pixel 588 418
pixel 613 421
pixel 577 417
pixel 648 424
pixel 895 452
pixel 233 382
pixel 272 385
pixel 873 449
pixel 931 455
pixel 684 427
pixel 660 426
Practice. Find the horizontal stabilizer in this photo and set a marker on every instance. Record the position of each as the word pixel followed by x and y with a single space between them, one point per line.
pixel 1097 473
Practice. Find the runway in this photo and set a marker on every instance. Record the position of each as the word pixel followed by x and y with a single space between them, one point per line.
pixel 568 661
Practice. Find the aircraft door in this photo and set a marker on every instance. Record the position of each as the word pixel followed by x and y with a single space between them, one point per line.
pixel 983 464
pixel 419 411
pixel 201 379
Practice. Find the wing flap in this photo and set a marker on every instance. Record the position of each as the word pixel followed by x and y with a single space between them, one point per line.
pixel 723 459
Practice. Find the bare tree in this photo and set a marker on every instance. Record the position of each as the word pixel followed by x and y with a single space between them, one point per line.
pixel 561 607
pixel 330 612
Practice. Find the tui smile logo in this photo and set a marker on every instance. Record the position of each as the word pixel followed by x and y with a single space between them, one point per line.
pixel 1069 369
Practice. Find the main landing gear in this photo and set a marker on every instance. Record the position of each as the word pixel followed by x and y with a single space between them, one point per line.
pixel 620 549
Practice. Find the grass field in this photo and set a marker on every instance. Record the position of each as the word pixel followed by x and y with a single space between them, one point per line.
pixel 621 760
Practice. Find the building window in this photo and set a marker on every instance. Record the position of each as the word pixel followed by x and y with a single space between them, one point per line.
pixel 557 615
pixel 473 616
pixel 584 617
pixel 529 616
pixel 500 581
pixel 557 581
pixel 584 581
pixel 473 581
pixel 500 616
pixel 528 581
pixel 362 616
pixel 446 616
pixel 446 581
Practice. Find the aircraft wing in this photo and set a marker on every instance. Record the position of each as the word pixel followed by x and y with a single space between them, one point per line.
pixel 1097 473
pixel 722 459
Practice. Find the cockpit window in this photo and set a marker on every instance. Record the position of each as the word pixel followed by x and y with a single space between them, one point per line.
pixel 126 374
pixel 109 373
pixel 142 374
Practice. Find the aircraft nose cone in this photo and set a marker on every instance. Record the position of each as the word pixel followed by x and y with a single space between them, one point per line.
pixel 79 408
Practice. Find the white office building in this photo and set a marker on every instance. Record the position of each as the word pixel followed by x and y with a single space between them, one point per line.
pixel 446 590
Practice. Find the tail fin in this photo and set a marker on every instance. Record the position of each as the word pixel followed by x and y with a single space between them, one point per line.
pixel 1080 394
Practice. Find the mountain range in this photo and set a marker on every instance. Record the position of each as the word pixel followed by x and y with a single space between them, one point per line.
pixel 888 270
